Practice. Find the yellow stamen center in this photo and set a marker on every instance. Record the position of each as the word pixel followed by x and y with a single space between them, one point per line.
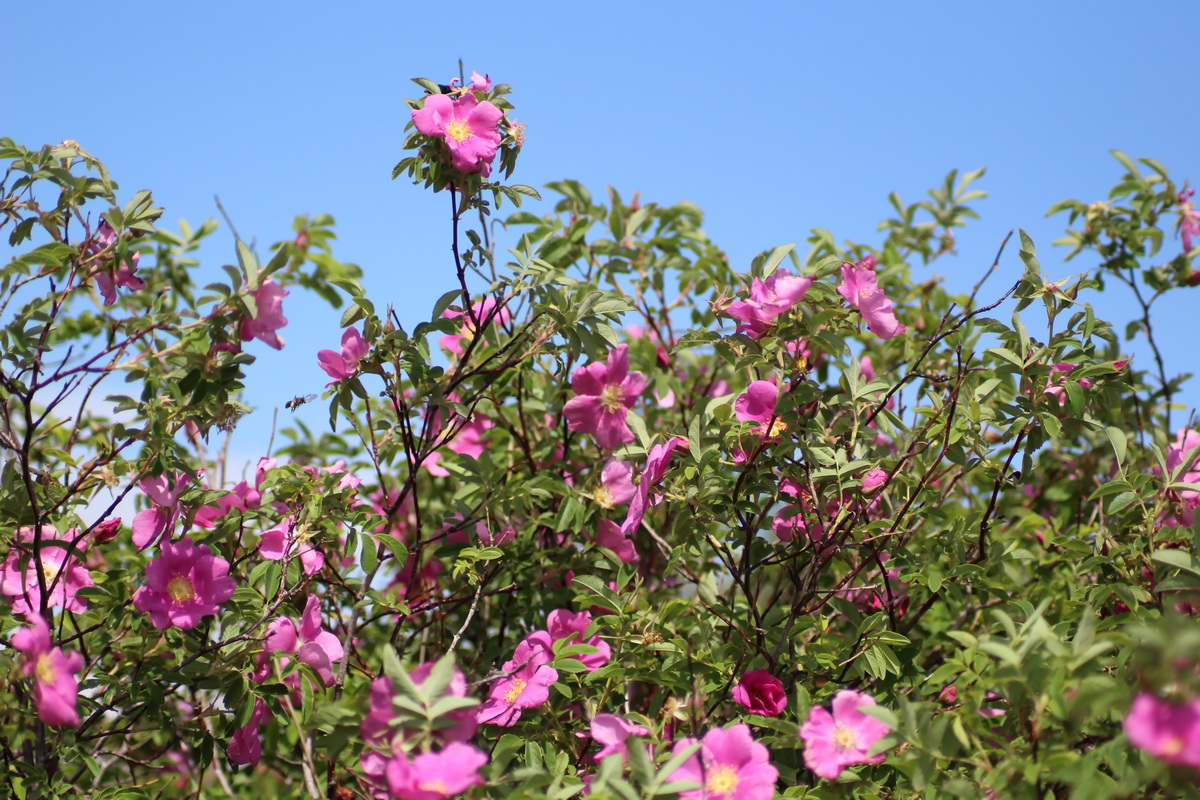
pixel 459 130
pixel 435 785
pixel 514 691
pixel 866 292
pixel 603 497
pixel 612 398
pixel 46 673
pixel 777 429
pixel 844 738
pixel 181 589
pixel 722 779
pixel 1172 746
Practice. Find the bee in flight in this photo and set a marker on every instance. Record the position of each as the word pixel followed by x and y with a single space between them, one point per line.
pixel 299 400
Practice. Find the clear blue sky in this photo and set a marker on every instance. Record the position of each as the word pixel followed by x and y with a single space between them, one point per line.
pixel 285 108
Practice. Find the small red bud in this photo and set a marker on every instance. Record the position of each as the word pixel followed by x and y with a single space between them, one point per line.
pixel 302 239
pixel 106 531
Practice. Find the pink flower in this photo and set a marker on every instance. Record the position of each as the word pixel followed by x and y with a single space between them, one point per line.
pixel 55 690
pixel 1060 371
pixel 653 473
pixel 611 537
pixel 245 747
pixel 768 299
pixel 835 741
pixel 434 776
pixel 612 731
pixel 873 480
pixel 183 584
pixel 563 624
pixel 1189 219
pixel 340 366
pixel 164 492
pixel 283 540
pixel 1165 730
pixel 311 644
pixel 469 127
pixel 468 441
pixel 729 766
pixel 605 393
pixel 60 570
pixel 268 298
pixel 859 288
pixel 242 498
pixel 757 404
pixel 760 692
pixel 1184 503
pixel 377 727
pixel 486 312
pixel 527 686
pixel 108 279
pixel 616 484
pixel 480 83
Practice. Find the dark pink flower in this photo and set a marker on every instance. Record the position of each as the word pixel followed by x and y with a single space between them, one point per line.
pixel 245 747
pixel 285 539
pixel 729 766
pixel 1189 219
pixel 340 366
pixel 611 731
pixel 873 480
pixel 55 690
pixel 108 278
pixel 184 584
pixel 860 289
pixel 268 298
pixel 616 484
pixel 469 127
pixel 653 473
pixel 1165 730
pixel 758 404
pixel 610 536
pixel 485 311
pixel 468 441
pixel 308 641
pixel 435 776
pixel 164 492
pixel 760 692
pixel 527 686
pixel 605 393
pixel 564 624
pixel 60 570
pixel 768 299
pixel 377 728
pixel 835 741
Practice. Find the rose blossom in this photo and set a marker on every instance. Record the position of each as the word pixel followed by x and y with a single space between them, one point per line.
pixel 729 766
pixel 469 128
pixel 760 692
pixel 527 686
pixel 55 690
pixel 605 393
pixel 264 326
pixel 1165 730
pixel 308 641
pixel 184 584
pixel 835 741
pixel 860 290
pixel 768 299
pixel 61 572
pixel 342 365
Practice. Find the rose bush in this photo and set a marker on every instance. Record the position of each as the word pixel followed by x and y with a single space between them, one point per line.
pixel 863 538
